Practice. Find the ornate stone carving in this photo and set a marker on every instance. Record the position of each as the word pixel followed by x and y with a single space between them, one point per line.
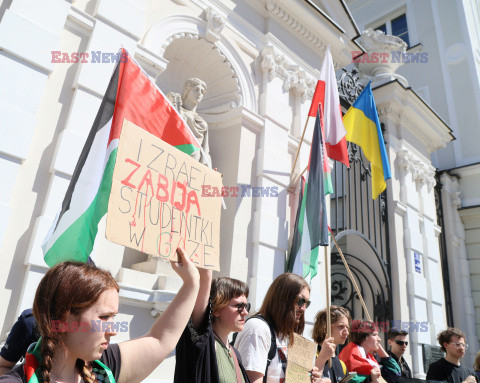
pixel 215 25
pixel 407 163
pixel 451 186
pixel 421 172
pixel 457 199
pixel 377 42
pixel 305 86
pixel 274 65
pixel 268 63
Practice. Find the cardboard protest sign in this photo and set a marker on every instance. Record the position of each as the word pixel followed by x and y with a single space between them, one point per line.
pixel 156 202
pixel 300 361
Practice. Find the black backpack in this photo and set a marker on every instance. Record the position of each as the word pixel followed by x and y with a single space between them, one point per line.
pixel 273 343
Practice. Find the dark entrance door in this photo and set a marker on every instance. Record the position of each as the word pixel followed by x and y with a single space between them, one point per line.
pixel 360 226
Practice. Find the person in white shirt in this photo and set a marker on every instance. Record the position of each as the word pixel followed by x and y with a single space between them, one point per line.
pixel 281 315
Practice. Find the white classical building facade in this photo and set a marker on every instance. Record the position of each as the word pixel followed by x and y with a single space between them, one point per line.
pixel 447 34
pixel 260 60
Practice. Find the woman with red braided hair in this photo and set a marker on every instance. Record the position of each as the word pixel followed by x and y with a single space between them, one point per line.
pixel 74 306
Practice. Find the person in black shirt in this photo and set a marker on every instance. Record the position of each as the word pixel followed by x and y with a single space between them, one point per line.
pixel 204 354
pixel 23 333
pixel 397 340
pixel 452 342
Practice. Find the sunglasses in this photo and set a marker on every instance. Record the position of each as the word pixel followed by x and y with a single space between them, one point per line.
pixel 401 342
pixel 303 301
pixel 241 306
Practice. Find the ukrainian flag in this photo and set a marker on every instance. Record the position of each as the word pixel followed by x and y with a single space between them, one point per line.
pixel 363 128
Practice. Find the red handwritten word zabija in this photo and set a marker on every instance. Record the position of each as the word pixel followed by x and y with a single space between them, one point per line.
pixel 187 198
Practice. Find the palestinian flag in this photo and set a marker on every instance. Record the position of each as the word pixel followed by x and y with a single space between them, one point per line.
pixel 297 235
pixel 311 228
pixel 131 95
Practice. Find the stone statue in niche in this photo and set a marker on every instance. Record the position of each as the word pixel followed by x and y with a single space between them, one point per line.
pixel 186 104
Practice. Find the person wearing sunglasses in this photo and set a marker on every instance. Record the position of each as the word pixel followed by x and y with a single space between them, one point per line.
pixel 359 356
pixel 397 340
pixel 264 342
pixel 204 354
pixel 449 369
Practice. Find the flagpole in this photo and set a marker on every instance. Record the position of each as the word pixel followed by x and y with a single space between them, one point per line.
pixel 352 278
pixel 300 145
pixel 304 170
pixel 327 290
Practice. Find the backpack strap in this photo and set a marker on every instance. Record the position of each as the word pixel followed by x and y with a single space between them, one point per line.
pixel 238 373
pixel 273 344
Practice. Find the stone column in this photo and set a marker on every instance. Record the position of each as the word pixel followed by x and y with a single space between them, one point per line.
pixel 458 268
pixel 421 250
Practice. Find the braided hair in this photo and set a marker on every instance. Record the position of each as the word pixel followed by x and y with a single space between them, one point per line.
pixel 67 290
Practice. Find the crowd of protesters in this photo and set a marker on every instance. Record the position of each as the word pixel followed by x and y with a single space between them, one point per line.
pixel 198 322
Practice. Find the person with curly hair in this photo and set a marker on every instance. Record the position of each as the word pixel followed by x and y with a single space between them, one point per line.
pixel 74 306
pixel 449 369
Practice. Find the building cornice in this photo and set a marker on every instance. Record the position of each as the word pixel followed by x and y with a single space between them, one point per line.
pixel 402 105
pixel 466 171
pixel 315 29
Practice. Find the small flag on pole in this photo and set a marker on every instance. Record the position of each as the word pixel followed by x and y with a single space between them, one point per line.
pixel 363 129
pixel 131 95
